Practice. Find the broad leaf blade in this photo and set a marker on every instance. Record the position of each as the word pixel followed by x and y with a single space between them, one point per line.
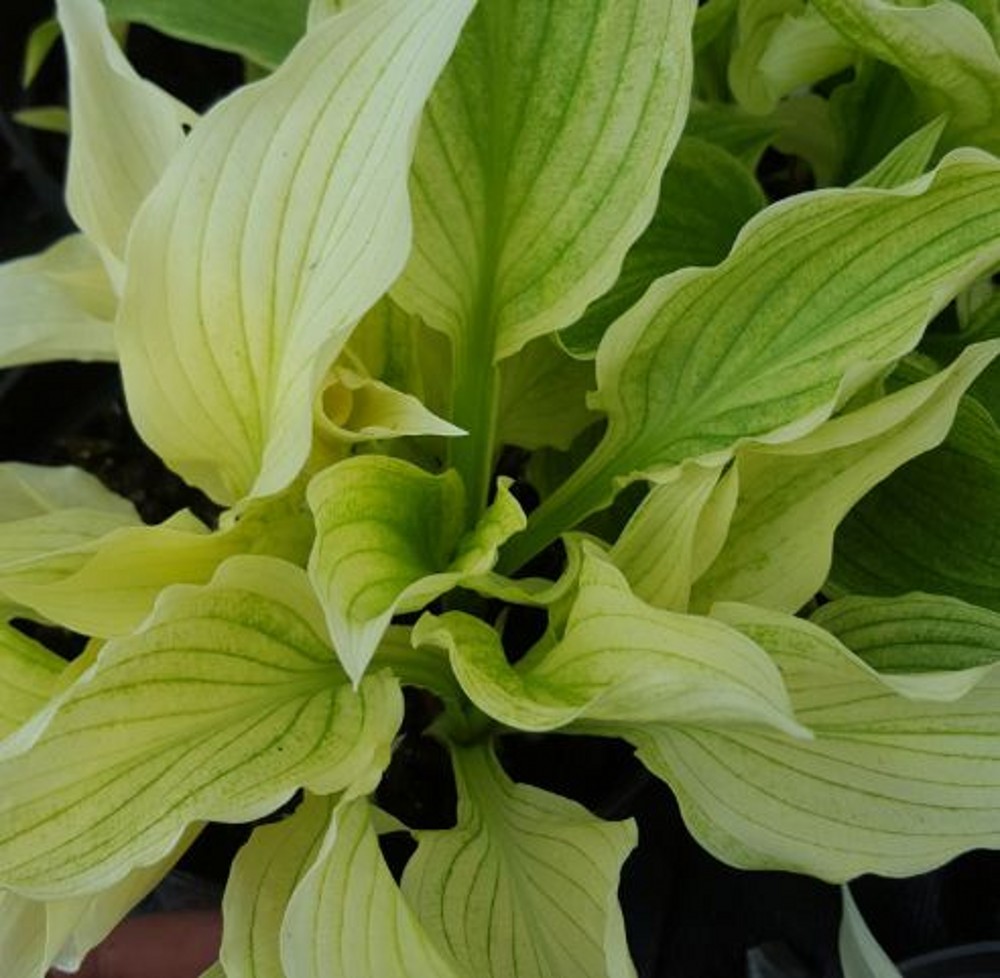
pixel 29 674
pixel 706 196
pixel 266 710
pixel 892 783
pixel 525 886
pixel 502 248
pixel 281 222
pixel 817 293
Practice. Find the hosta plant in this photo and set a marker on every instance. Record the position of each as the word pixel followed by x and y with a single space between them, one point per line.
pixel 665 328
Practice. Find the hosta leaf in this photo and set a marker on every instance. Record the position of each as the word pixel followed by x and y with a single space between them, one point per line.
pixel 347 918
pixel 860 954
pixel 900 775
pixel 389 538
pixel 40 42
pixel 931 526
pixel 942 49
pixel 36 490
pixel 263 877
pixel 732 129
pixel 783 45
pixel 505 253
pixel 793 496
pixel 29 674
pixel 262 30
pixel 98 574
pixel 22 936
pixel 953 635
pixel 226 701
pixel 706 196
pixel 525 885
pixel 282 220
pixel 818 292
pixel 352 408
pixel 57 305
pixel 620 666
pixel 125 131
pixel 908 159
pixel 658 551
pixel 543 397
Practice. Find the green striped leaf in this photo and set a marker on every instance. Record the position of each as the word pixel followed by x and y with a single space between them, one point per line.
pixel 347 918
pixel 99 574
pixel 262 30
pixel 793 496
pixel 263 877
pixel 943 50
pixel 900 776
pixel 706 196
pixel 220 707
pixel 931 526
pixel 389 538
pixel 503 251
pixel 619 667
pixel 527 195
pixel 283 219
pixel 525 885
pixel 819 292
pixel 29 675
pixel 125 131
pixel 56 305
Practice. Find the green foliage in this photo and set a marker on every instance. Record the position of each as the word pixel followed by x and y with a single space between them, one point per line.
pixel 714 283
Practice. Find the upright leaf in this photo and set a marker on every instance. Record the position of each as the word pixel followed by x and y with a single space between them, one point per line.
pixel 347 918
pixel 221 706
pixel 860 954
pixel 284 218
pixel 537 166
pixel 818 292
pixel 525 885
pixel 125 131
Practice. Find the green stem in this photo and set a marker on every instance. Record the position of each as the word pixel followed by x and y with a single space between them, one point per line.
pixel 474 408
pixel 588 490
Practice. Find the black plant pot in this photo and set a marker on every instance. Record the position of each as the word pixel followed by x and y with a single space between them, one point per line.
pixel 967 961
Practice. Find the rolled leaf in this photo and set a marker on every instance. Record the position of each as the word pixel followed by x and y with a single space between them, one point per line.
pixel 226 702
pixel 525 885
pixel 389 538
pixel 942 49
pixel 284 218
pixel 860 954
